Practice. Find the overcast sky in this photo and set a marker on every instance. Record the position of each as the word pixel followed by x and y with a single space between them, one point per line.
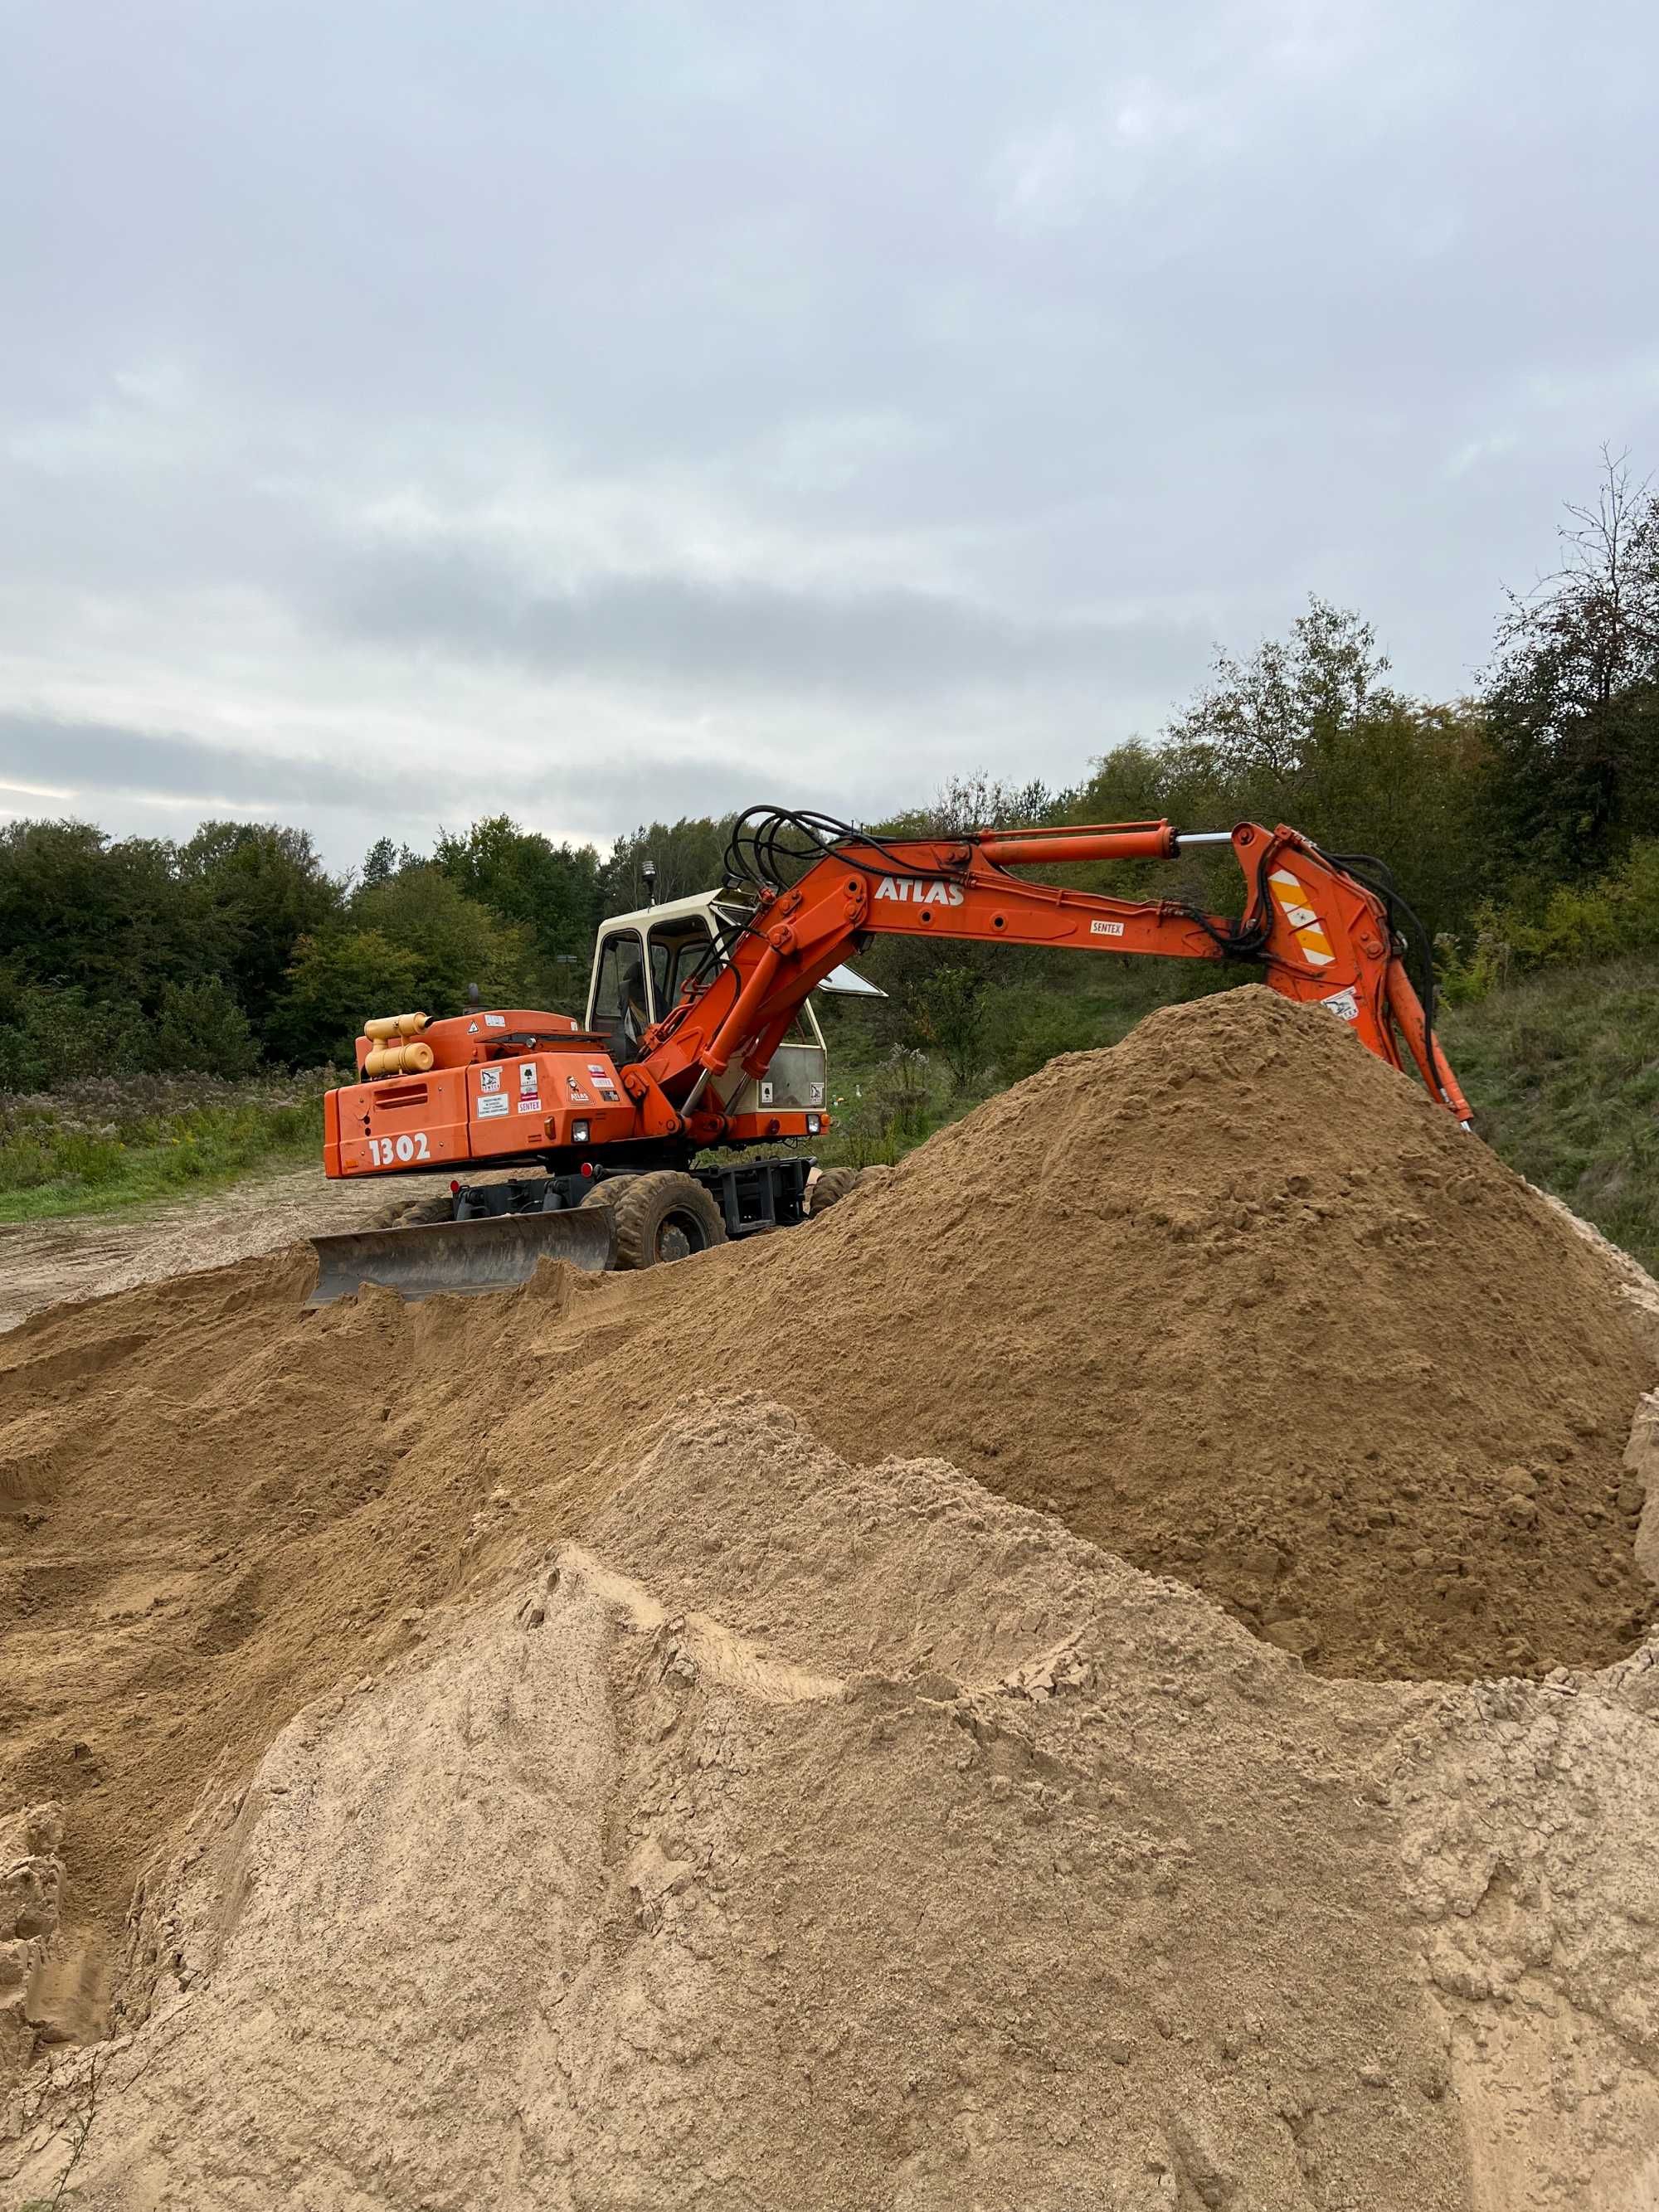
pixel 415 409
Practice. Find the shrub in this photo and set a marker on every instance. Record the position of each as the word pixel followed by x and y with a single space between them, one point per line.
pixel 56 1036
pixel 1563 926
pixel 200 1028
pixel 1463 978
pixel 946 1013
pixel 1031 1031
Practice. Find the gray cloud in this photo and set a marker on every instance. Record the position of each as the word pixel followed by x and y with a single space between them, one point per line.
pixel 173 781
pixel 85 759
pixel 555 408
pixel 879 644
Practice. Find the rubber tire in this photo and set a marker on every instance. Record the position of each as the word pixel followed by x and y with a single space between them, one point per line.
pixel 830 1186
pixel 645 1206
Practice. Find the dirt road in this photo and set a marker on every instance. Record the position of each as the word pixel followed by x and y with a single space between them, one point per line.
pixel 84 1257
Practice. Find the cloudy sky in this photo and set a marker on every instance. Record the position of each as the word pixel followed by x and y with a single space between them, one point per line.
pixel 413 408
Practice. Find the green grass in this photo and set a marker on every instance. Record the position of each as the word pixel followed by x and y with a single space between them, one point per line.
pixel 97 1147
pixel 1563 1072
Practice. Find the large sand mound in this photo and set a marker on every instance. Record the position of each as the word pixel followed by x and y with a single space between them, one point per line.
pixel 1237 1301
pixel 809 1837
pixel 1234 1300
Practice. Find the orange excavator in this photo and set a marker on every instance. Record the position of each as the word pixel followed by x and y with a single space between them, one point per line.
pixel 699 1036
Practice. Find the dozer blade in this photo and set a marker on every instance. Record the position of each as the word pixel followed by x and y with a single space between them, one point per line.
pixel 495 1254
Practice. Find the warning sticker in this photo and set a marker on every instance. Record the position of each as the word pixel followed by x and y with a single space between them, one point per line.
pixel 494 1021
pixel 1343 1003
pixel 1310 930
pixel 490 1079
pixel 488 1106
pixel 608 1096
pixel 598 1070
pixel 527 1076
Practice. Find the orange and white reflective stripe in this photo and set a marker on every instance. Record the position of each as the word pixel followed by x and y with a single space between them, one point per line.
pixel 1292 899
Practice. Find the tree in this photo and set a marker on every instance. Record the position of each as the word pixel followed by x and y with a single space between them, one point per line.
pixel 81 912
pixel 1572 692
pixel 947 1014
pixel 1274 722
pixel 979 801
pixel 408 944
pixel 1309 731
pixel 689 855
pixel 200 1027
pixel 336 982
pixel 552 891
pixel 383 861
pixel 452 942
pixel 259 889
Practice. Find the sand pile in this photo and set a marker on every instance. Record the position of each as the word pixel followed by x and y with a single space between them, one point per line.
pixel 812 1837
pixel 1232 1300
pixel 1252 1311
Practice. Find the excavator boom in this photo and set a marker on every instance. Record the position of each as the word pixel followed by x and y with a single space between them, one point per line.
pixel 1313 929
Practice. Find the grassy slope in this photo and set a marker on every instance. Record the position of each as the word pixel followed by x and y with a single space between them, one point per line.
pixel 99 1146
pixel 1563 1072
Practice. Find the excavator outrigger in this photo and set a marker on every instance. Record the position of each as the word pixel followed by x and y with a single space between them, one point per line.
pixel 699 1036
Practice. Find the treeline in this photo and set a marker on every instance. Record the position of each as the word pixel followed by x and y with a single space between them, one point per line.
pixel 237 948
pixel 1522 824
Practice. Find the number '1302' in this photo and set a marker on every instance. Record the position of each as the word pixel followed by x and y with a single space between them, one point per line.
pixel 389 1152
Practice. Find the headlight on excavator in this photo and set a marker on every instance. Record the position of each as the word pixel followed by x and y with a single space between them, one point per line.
pixel 814 1123
pixel 578 1133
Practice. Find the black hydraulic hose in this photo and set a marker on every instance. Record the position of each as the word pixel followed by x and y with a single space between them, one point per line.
pixel 1241 940
pixel 1398 905
pixel 758 855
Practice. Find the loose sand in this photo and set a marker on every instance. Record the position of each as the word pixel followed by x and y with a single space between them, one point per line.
pixel 1233 1302
pixel 811 1837
pixel 44 1262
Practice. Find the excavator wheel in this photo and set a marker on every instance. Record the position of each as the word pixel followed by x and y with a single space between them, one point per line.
pixel 832 1184
pixel 659 1217
pixel 607 1194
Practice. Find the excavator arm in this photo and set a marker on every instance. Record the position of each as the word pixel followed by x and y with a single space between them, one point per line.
pixel 1317 933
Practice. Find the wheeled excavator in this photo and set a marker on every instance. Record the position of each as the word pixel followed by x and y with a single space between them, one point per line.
pixel 698 1039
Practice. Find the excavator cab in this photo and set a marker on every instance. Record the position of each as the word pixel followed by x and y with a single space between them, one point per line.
pixel 641 965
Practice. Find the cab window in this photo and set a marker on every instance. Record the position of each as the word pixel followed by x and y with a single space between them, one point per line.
pixel 678 950
pixel 621 1010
